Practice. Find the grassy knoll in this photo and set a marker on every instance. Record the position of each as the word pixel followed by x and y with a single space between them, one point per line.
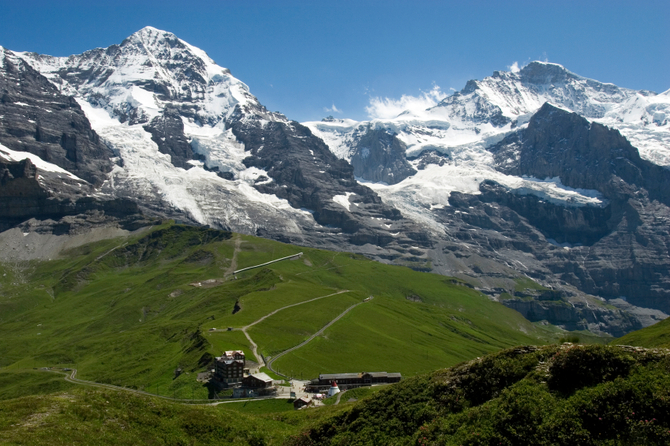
pixel 657 335
pixel 553 395
pixel 124 311
pixel 19 383
pixel 550 395
pixel 95 417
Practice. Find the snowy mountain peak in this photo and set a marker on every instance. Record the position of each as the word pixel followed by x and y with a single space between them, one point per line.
pixel 543 73
pixel 150 34
pixel 135 80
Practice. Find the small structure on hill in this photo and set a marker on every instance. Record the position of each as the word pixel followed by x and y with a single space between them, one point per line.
pixel 346 381
pixel 257 381
pixel 334 390
pixel 302 402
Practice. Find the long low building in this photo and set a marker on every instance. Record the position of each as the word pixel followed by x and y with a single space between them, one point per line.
pixel 350 380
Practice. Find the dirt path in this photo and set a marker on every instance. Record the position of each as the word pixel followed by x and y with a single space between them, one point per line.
pixel 254 347
pixel 274 358
pixel 233 263
pixel 339 395
pixel 292 305
pixel 71 378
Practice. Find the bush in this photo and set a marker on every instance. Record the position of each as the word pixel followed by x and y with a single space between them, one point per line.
pixel 581 366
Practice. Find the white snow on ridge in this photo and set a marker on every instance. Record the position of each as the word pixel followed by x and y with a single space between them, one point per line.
pixel 125 76
pixel 122 87
pixel 343 200
pixel 13 155
pixel 462 127
pixel 201 194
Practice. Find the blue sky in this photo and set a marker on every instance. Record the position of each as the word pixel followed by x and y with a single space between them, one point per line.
pixel 301 57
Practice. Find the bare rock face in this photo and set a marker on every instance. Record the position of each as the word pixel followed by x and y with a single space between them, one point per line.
pixel 27 193
pixel 583 225
pixel 380 157
pixel 622 248
pixel 36 118
pixel 583 154
pixel 167 131
pixel 302 170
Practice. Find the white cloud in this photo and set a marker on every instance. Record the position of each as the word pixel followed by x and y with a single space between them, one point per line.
pixel 514 68
pixel 332 109
pixel 388 108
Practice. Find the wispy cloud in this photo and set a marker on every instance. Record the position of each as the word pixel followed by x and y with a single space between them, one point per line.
pixel 514 68
pixel 332 109
pixel 387 108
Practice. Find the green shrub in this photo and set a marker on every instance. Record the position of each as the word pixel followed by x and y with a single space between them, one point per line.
pixel 580 366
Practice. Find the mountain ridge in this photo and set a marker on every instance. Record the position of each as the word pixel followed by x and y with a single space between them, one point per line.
pixel 187 140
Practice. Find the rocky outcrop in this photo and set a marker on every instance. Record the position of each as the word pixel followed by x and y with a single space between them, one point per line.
pixel 379 156
pixel 27 193
pixel 574 316
pixel 583 225
pixel 302 170
pixel 35 117
pixel 583 154
pixel 167 131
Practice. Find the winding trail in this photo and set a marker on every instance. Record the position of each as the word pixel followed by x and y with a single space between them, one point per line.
pixel 274 358
pixel 337 400
pixel 233 263
pixel 71 378
pixel 254 347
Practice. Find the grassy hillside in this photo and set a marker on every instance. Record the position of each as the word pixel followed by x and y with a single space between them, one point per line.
pixel 567 395
pixel 93 417
pixel 657 335
pixel 551 395
pixel 124 312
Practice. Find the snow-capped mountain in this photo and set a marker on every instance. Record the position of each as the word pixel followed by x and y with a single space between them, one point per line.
pixel 188 139
pixel 487 108
pixel 455 133
pixel 489 185
pixel 471 168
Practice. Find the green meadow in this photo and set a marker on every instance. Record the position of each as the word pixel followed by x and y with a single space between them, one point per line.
pixel 657 335
pixel 125 311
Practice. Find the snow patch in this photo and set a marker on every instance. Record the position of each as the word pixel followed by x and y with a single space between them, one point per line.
pixel 13 155
pixel 343 200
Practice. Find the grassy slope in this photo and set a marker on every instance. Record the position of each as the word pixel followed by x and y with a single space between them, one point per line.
pixel 567 395
pixel 595 395
pixel 122 311
pixel 657 335
pixel 95 417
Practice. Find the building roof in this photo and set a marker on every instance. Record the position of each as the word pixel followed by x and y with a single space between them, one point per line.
pixel 333 376
pixel 233 352
pixel 261 377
